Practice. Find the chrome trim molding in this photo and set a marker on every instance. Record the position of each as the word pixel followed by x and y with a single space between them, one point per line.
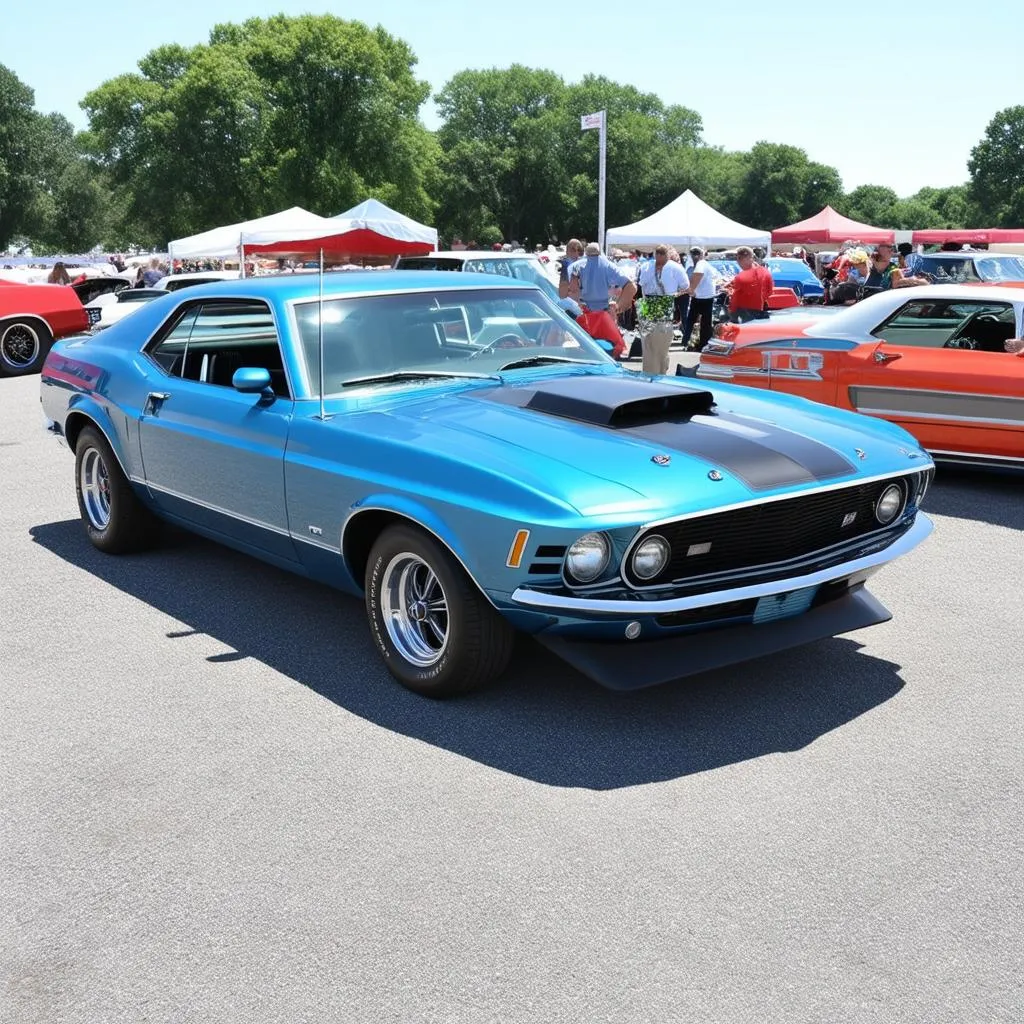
pixel 976 459
pixel 932 402
pixel 559 604
pixel 213 508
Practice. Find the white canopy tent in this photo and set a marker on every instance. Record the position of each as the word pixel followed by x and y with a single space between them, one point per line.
pixel 223 243
pixel 373 215
pixel 686 221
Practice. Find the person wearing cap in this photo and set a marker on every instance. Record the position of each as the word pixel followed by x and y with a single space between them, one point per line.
pixel 661 280
pixel 592 278
pixel 750 289
pixel 702 299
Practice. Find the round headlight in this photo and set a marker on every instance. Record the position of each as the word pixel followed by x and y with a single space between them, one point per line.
pixel 650 557
pixel 588 557
pixel 889 504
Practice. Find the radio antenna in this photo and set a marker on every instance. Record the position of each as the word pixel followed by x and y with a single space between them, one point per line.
pixel 320 331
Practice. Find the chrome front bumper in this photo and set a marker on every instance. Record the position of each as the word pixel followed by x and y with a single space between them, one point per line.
pixel 589 607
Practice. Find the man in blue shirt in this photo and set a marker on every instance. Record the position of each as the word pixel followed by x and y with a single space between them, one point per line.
pixel 593 277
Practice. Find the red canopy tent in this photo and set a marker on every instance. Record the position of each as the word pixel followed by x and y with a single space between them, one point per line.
pixel 829 226
pixel 370 229
pixel 969 236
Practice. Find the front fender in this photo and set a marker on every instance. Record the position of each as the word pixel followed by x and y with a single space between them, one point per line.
pixel 417 513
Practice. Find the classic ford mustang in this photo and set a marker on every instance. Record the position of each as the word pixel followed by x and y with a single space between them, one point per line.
pixel 473 465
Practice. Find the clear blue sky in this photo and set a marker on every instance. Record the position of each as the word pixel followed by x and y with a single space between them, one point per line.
pixel 896 94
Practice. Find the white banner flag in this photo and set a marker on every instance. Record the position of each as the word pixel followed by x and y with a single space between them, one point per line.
pixel 591 120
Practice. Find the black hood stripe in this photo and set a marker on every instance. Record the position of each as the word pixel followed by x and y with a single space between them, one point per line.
pixel 780 459
pixel 763 455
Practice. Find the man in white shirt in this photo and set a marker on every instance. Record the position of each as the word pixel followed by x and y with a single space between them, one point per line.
pixel 702 298
pixel 661 281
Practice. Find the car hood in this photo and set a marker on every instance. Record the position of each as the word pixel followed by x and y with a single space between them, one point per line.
pixel 623 444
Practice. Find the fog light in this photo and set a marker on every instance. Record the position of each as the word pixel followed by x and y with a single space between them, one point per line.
pixel 632 630
pixel 889 504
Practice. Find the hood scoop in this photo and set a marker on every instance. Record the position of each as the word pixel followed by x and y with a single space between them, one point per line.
pixel 615 402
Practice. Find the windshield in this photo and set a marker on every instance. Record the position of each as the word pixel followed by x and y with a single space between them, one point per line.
pixel 476 331
pixel 1000 268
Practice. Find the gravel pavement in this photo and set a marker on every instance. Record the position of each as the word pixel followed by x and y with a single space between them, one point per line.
pixel 215 805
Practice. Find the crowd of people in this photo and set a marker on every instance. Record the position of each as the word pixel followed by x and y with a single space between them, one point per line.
pixel 673 292
pixel 681 292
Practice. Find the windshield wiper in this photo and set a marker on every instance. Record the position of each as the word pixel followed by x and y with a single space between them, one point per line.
pixel 403 375
pixel 541 360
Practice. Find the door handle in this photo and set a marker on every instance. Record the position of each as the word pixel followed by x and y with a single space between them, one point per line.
pixel 155 398
pixel 886 357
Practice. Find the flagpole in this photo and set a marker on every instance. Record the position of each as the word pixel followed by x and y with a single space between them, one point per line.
pixel 601 179
pixel 599 120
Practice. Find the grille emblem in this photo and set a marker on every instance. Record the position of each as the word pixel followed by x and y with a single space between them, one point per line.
pixel 714 475
pixel 661 460
pixel 698 549
pixel 849 518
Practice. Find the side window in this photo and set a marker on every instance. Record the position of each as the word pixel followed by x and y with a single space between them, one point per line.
pixel 169 353
pixel 229 334
pixel 944 324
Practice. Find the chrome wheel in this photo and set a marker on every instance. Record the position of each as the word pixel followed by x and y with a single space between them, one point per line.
pixel 415 610
pixel 19 346
pixel 94 483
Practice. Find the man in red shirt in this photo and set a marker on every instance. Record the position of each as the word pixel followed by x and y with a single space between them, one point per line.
pixel 750 289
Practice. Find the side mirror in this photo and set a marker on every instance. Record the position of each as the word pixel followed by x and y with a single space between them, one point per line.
pixel 252 380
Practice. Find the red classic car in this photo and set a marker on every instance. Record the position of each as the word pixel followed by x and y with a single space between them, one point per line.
pixel 939 360
pixel 31 317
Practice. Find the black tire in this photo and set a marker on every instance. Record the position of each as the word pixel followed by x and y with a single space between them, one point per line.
pixel 104 494
pixel 24 343
pixel 478 640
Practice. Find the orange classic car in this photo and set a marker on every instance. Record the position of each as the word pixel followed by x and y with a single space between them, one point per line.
pixel 939 360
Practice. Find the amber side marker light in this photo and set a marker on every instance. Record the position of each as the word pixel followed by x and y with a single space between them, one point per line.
pixel 515 553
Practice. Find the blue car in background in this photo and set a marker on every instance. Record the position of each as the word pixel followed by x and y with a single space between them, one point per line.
pixel 789 272
pixel 455 451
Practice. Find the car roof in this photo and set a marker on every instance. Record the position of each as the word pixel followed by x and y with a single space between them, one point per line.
pixel 966 254
pixel 285 287
pixel 475 254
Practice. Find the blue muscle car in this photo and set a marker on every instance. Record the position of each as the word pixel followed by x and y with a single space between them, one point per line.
pixel 788 272
pixel 473 465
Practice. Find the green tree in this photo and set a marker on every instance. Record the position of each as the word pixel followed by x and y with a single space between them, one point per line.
pixel 18 161
pixel 312 111
pixel 871 204
pixel 996 166
pixel 517 163
pixel 780 186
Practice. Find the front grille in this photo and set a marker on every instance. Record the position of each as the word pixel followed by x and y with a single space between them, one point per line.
pixel 774 532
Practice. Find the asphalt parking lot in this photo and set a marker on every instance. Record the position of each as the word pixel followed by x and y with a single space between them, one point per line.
pixel 215 805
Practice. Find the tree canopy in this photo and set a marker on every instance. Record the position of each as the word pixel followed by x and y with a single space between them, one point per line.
pixel 311 111
pixel 322 112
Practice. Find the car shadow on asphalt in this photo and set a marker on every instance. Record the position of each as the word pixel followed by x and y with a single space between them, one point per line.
pixel 542 721
pixel 986 496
